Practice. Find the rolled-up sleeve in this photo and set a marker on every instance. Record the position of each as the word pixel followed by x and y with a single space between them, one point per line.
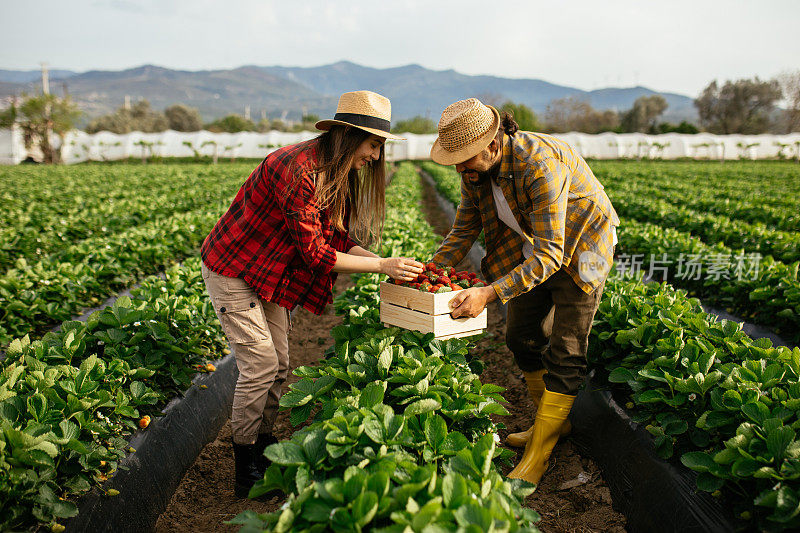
pixel 303 220
pixel 548 187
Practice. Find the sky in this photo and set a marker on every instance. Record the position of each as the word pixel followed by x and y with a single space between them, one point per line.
pixel 676 46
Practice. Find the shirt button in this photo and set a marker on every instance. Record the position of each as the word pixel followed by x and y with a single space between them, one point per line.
pixel 252 304
pixel 221 309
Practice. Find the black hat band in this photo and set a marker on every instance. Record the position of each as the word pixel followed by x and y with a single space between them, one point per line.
pixel 365 121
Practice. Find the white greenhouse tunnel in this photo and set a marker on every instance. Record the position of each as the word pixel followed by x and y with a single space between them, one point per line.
pixel 104 146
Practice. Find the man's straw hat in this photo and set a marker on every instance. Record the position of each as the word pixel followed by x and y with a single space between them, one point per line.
pixel 465 129
pixel 365 110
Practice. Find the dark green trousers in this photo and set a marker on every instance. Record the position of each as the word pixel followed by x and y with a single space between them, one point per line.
pixel 548 327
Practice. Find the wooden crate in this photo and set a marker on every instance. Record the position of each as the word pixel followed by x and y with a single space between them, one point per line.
pixel 426 312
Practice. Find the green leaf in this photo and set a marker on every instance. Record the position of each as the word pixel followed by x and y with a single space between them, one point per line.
pixel 453 443
pixel 425 405
pixel 372 394
pixel 314 447
pixel 709 482
pixel 698 461
pixel 470 514
pixel 454 490
pixel 621 375
pixel 285 453
pixel 435 431
pixel 756 411
pixel 778 440
pixel 364 508
pixel 295 398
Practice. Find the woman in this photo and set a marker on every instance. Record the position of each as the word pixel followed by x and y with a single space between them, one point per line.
pixel 281 243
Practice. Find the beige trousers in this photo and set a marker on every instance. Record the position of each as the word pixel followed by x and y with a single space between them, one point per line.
pixel 257 331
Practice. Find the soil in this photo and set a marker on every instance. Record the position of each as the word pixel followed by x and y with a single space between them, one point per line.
pixel 204 500
pixel 572 496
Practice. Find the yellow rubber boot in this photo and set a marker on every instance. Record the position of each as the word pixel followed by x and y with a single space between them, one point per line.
pixel 553 411
pixel 535 382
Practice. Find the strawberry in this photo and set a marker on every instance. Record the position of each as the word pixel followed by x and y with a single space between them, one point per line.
pixel 432 288
pixel 463 283
pixel 431 266
pixel 424 286
pixel 472 275
pixel 415 285
pixel 422 278
pixel 455 287
pixel 444 289
pixel 444 280
pixel 452 271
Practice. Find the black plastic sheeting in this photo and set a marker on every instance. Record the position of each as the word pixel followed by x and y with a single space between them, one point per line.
pixel 164 452
pixel 654 495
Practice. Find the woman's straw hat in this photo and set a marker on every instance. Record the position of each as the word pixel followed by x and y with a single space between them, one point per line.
pixel 365 110
pixel 465 129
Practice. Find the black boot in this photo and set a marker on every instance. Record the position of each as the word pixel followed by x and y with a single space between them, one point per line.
pixel 264 440
pixel 247 472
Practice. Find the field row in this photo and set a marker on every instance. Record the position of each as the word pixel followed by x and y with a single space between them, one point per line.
pixel 70 401
pixel 727 406
pixel 47 212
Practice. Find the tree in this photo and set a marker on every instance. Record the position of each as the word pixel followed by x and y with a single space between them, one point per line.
pixel 644 113
pixel 38 116
pixel 231 124
pixel 741 106
pixel 419 125
pixel 789 82
pixel 183 118
pixel 523 116
pixel 683 127
pixel 139 118
pixel 574 114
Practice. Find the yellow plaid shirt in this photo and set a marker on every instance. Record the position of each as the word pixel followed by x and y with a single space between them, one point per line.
pixel 558 203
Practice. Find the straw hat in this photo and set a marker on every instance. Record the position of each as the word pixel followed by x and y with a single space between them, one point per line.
pixel 365 110
pixel 465 129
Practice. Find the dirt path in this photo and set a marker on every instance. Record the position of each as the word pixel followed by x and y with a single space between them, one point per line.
pixel 586 507
pixel 205 499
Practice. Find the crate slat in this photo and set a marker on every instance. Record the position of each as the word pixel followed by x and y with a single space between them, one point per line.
pixel 442 326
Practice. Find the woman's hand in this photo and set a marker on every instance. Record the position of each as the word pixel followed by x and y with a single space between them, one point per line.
pixel 402 268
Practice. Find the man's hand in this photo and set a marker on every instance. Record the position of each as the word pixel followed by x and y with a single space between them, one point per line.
pixel 471 302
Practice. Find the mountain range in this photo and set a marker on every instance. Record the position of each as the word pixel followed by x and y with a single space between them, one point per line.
pixel 288 92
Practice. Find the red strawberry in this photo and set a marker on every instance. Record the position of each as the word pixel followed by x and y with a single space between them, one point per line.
pixel 443 280
pixel 422 278
pixel 472 275
pixel 452 271
pixel 433 288
pixel 415 285
pixel 431 266
pixel 455 287
pixel 425 286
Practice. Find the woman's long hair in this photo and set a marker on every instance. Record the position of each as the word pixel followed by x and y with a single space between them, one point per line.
pixel 337 185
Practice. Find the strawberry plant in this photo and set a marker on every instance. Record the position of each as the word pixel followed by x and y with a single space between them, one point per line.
pixel 725 404
pixel 70 401
pixel 400 437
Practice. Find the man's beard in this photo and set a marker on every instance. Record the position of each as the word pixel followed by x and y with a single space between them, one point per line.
pixel 483 177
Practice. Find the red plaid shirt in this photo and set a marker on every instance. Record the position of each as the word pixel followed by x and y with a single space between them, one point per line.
pixel 281 244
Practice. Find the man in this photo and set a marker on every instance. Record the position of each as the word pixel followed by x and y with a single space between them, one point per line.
pixel 550 236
